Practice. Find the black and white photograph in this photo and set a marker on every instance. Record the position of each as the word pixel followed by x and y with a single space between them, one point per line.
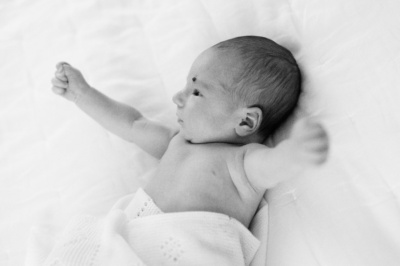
pixel 199 132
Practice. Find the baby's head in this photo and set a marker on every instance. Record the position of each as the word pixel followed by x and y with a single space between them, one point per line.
pixel 238 91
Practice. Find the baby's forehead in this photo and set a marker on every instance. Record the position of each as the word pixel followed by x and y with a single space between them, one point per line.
pixel 212 82
pixel 216 65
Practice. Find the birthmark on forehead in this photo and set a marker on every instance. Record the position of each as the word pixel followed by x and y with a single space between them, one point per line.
pixel 194 79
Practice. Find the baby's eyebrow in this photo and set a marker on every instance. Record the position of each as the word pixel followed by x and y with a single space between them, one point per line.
pixel 203 83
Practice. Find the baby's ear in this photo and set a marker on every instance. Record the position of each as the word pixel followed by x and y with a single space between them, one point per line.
pixel 250 121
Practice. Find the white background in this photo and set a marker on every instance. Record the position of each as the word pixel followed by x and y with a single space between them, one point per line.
pixel 55 162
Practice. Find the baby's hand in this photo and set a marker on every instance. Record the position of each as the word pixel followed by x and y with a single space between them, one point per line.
pixel 311 141
pixel 69 82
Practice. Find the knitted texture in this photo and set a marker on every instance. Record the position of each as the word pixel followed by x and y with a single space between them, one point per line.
pixel 137 232
pixel 78 245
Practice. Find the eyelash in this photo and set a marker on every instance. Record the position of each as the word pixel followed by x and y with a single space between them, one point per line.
pixel 196 92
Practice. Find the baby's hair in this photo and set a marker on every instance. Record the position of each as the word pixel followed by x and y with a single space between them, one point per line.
pixel 270 79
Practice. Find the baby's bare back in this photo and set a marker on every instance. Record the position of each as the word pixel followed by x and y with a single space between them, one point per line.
pixel 204 177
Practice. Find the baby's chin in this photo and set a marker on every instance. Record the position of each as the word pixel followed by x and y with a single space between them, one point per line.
pixel 198 138
pixel 201 140
pixel 194 139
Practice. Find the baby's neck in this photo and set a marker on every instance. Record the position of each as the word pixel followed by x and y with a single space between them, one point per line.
pixel 250 139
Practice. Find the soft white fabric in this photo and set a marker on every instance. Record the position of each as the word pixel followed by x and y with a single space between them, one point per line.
pixel 56 163
pixel 141 234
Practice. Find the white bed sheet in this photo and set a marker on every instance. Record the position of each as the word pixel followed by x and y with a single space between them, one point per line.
pixel 55 162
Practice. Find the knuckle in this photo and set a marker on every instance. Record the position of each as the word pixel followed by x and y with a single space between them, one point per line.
pixel 62 63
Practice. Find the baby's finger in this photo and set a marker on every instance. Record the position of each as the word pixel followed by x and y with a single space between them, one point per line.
pixel 59 83
pixel 61 64
pixel 61 76
pixel 60 73
pixel 58 90
pixel 68 69
pixel 319 146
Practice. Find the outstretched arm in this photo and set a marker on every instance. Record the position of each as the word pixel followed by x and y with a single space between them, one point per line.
pixel 120 119
pixel 307 146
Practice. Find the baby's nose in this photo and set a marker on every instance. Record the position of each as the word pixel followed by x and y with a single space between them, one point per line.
pixel 178 99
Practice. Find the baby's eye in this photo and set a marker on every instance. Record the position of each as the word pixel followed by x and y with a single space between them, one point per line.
pixel 196 92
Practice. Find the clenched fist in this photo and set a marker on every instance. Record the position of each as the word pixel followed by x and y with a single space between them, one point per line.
pixel 69 82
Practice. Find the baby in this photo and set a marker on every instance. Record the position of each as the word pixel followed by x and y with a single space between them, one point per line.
pixel 237 93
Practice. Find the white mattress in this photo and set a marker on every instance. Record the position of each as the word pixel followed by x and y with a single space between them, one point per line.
pixel 55 162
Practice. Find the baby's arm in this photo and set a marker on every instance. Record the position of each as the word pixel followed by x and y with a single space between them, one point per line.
pixel 306 146
pixel 118 118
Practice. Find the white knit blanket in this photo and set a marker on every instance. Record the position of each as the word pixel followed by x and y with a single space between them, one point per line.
pixel 185 238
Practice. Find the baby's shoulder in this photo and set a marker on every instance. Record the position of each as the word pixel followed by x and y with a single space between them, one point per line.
pixel 240 157
pixel 238 154
pixel 248 148
pixel 235 162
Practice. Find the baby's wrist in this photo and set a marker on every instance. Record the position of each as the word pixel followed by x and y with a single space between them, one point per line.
pixel 83 94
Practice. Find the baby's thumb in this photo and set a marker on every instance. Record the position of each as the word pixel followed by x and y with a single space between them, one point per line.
pixel 73 74
pixel 60 73
pixel 67 68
